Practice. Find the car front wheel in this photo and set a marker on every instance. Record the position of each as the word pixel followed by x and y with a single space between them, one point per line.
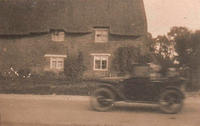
pixel 171 102
pixel 102 99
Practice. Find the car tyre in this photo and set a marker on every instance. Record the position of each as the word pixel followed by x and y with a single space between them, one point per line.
pixel 102 99
pixel 171 102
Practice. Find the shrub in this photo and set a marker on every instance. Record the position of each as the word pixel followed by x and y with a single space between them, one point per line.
pixel 9 74
pixel 24 73
pixel 126 57
pixel 1 76
pixel 74 68
pixel 44 76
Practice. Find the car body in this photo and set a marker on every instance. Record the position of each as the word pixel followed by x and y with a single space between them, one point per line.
pixel 165 91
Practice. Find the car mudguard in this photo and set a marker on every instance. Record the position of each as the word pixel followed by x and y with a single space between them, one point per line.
pixel 177 89
pixel 115 90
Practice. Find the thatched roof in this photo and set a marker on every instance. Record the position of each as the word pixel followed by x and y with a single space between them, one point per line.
pixel 124 17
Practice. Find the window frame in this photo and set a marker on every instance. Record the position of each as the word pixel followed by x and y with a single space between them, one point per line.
pixel 101 30
pixel 57 59
pixel 101 56
pixel 58 36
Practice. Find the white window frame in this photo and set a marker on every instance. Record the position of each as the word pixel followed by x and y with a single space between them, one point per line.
pixel 101 56
pixel 57 59
pixel 104 32
pixel 58 36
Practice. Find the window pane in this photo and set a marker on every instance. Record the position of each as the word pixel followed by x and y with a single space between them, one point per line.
pixel 105 36
pixel 104 64
pixel 61 36
pixel 58 36
pixel 60 64
pixel 97 64
pixel 100 62
pixel 54 64
pixel 101 35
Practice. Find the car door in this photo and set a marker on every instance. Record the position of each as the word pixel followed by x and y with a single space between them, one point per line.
pixel 134 88
pixel 141 89
pixel 152 90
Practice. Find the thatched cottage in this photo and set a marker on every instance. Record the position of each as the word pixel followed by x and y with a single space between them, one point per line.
pixel 41 34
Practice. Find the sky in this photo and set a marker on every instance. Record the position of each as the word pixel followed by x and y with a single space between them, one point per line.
pixel 164 14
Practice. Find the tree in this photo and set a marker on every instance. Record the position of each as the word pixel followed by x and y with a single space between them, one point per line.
pixel 181 37
pixel 179 48
pixel 187 46
pixel 163 52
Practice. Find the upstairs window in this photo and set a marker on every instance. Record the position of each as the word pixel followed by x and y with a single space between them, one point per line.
pixel 58 36
pixel 101 35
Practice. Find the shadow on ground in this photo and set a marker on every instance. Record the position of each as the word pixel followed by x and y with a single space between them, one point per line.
pixel 143 109
pixel 133 108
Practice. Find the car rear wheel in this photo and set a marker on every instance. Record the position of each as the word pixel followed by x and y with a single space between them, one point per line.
pixel 102 99
pixel 171 102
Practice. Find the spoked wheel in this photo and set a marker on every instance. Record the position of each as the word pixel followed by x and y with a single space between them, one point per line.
pixel 171 102
pixel 102 99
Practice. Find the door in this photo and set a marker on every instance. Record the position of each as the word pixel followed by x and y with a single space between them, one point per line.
pixel 140 89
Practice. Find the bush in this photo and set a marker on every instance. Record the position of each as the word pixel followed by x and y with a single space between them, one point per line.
pixel 1 76
pixel 126 57
pixel 74 68
pixel 44 76
pixel 9 74
pixel 24 73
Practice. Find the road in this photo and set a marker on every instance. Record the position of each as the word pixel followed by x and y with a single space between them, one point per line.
pixel 53 110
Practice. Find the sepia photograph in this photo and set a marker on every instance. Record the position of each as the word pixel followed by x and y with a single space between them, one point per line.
pixel 99 62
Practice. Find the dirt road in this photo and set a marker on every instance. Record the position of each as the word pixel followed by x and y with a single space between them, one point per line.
pixel 37 110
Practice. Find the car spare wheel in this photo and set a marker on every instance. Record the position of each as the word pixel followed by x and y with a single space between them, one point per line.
pixel 102 99
pixel 171 102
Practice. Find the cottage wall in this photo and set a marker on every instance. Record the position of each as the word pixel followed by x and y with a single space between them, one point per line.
pixel 85 43
pixel 29 51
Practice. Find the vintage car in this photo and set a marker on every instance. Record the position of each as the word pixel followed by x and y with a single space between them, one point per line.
pixel 167 92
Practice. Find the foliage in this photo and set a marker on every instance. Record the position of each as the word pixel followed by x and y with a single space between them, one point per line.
pixel 46 75
pixel 24 73
pixel 163 52
pixel 74 67
pixel 126 57
pixel 44 87
pixel 13 74
pixel 179 48
pixel 187 45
